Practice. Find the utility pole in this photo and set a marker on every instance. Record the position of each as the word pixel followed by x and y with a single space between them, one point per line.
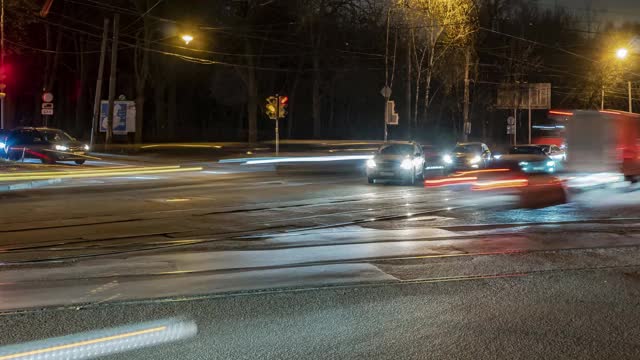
pixel 466 128
pixel 515 127
pixel 277 128
pixel 386 78
pixel 630 102
pixel 112 79
pixel 602 99
pixel 98 97
pixel 529 96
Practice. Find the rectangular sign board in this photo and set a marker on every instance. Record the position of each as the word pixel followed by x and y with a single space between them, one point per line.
pixel 46 111
pixel 124 116
pixel 511 96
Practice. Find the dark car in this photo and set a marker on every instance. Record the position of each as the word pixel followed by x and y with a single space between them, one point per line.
pixel 527 162
pixel 473 155
pixel 47 144
pixel 396 161
pixel 552 151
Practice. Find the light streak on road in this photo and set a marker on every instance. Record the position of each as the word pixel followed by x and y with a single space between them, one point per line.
pixel 123 169
pixel 102 342
pixel 92 174
pixel 500 184
pixel 198 146
pixel 296 159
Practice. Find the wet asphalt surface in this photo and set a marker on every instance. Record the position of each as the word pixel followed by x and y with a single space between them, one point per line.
pixel 294 263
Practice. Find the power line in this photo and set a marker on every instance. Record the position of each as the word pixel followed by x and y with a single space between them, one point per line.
pixel 51 51
pixel 142 15
pixel 538 43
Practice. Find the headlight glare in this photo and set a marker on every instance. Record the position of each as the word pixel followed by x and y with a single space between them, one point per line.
pixel 371 163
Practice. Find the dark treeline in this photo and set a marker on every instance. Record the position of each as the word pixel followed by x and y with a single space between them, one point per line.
pixel 327 56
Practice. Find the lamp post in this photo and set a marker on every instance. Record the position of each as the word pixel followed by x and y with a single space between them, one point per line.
pixel 622 54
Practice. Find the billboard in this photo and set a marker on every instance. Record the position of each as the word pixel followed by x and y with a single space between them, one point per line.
pixel 511 96
pixel 124 116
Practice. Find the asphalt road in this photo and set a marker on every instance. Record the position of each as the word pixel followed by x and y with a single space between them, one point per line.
pixel 310 261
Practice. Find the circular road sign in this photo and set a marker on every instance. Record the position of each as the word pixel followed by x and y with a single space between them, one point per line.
pixel 47 97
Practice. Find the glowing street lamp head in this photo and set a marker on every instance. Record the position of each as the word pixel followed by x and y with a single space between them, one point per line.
pixel 622 53
pixel 187 38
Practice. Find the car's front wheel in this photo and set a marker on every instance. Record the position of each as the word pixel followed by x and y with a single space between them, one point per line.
pixel 79 162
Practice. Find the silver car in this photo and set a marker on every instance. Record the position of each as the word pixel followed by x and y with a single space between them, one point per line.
pixel 397 161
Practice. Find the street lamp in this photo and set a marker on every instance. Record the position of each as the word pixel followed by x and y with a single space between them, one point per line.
pixel 187 38
pixel 622 53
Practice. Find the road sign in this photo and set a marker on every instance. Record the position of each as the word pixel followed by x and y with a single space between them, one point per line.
pixel 511 120
pixel 392 117
pixel 386 92
pixel 518 95
pixel 124 116
pixel 511 129
pixel 47 97
pixel 2 95
pixel 47 108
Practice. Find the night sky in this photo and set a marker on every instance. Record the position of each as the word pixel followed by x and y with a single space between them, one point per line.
pixel 614 10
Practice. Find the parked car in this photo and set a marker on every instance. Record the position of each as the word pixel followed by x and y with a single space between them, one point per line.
pixel 467 156
pixel 47 144
pixel 397 161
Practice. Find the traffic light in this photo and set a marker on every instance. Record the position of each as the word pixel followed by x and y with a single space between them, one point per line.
pixel 276 107
pixel 271 107
pixel 4 72
pixel 284 101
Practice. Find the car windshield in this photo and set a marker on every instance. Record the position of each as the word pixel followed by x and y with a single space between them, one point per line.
pixel 397 149
pixel 537 150
pixel 470 148
pixel 54 135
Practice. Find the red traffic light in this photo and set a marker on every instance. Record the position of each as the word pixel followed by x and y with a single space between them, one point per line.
pixel 284 100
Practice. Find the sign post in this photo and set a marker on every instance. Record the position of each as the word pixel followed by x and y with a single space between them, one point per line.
pixel 386 93
pixel 511 128
pixel 277 128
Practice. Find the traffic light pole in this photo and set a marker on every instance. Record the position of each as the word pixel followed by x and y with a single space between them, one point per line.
pixel 277 128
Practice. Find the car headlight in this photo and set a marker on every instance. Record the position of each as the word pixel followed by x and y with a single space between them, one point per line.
pixel 86 147
pixel 406 164
pixel 447 159
pixel 476 159
pixel 61 148
pixel 371 163
pixel 523 163
pixel 551 163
